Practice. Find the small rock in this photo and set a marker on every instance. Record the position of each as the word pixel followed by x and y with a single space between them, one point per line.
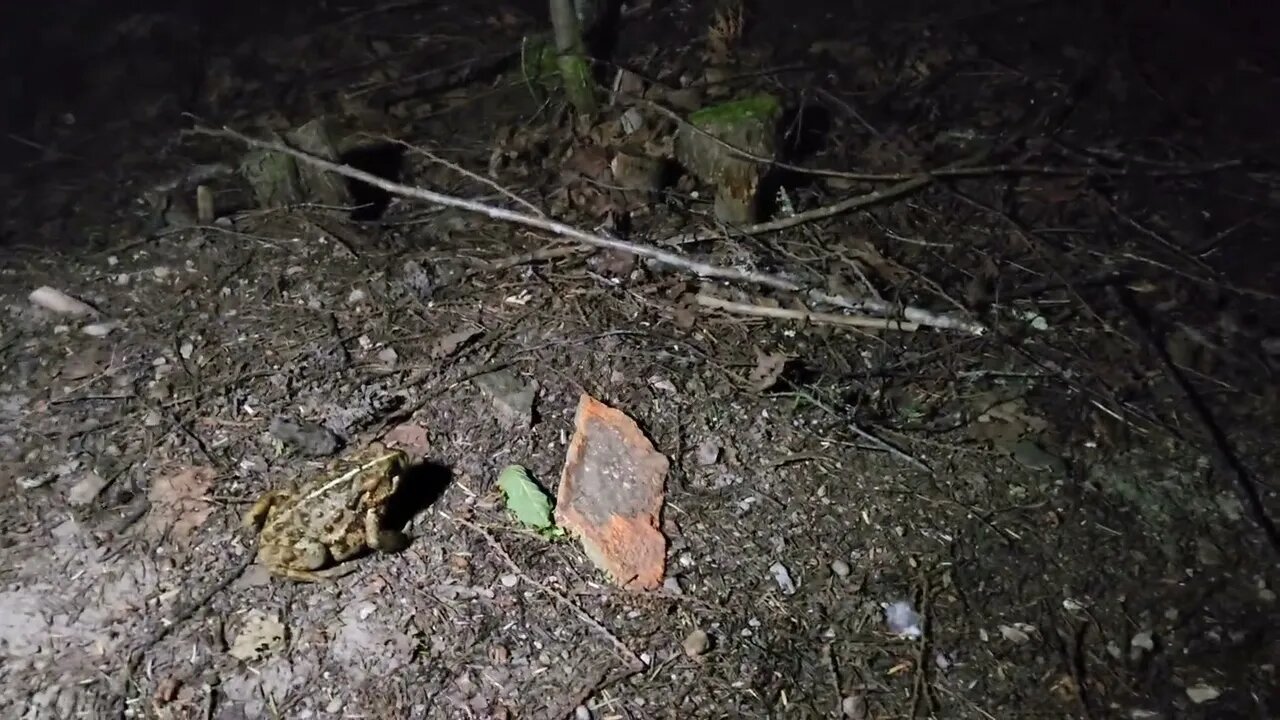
pixel 1030 455
pixel 672 585
pixel 1143 641
pixel 356 297
pixel 100 329
pixel 663 384
pixel 334 706
pixel 853 706
pixel 783 578
pixel 60 302
pixel 1018 633
pixel 1200 694
pixel 840 568
pixel 387 356
pixel 85 489
pixel 903 619
pixel 509 580
pixel 708 453
pixel 581 713
pixel 697 643
pixel 511 395
pixel 309 438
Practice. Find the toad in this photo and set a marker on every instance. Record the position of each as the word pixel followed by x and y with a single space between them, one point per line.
pixel 306 533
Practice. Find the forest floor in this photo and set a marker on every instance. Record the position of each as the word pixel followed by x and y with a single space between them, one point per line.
pixel 1076 502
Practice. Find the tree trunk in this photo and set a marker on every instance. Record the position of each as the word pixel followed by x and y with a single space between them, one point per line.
pixel 575 66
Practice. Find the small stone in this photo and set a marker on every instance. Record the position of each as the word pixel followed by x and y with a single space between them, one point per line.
pixel 697 643
pixel 99 329
pixel 1200 694
pixel 388 356
pixel 1144 641
pixel 334 706
pixel 783 578
pixel 840 568
pixel 86 489
pixel 581 713
pixel 356 297
pixel 509 580
pixel 672 585
pixel 708 453
pixel 853 706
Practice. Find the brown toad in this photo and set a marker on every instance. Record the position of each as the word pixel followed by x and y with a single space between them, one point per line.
pixel 304 533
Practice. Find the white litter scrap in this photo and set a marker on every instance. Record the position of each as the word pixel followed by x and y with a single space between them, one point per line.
pixel 783 578
pixel 60 302
pixel 903 620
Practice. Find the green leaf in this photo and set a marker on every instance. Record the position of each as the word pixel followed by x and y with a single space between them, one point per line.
pixel 525 499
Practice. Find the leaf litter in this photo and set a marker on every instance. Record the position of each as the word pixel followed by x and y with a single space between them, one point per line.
pixel 308 311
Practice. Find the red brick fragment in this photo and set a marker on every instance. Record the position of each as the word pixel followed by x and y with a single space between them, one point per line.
pixel 611 494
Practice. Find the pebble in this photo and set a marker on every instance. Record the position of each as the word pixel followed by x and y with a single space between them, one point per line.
pixel 708 453
pixel 697 643
pixel 840 568
pixel 853 706
pixel 509 580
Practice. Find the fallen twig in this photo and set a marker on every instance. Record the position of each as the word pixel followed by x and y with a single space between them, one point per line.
pixel 633 660
pixel 902 188
pixel 964 169
pixel 864 434
pixel 174 622
pixel 462 171
pixel 701 269
pixel 1226 460
pixel 861 321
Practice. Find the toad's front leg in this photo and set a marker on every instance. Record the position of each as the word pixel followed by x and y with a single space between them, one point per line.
pixel 381 538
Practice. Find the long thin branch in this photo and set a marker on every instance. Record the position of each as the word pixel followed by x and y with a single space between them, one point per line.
pixel 859 321
pixel 959 170
pixel 696 267
pixel 820 213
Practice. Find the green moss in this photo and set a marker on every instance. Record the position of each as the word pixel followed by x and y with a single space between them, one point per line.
pixel 539 63
pixel 576 73
pixel 756 107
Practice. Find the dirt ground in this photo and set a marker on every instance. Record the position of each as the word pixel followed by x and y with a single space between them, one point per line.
pixel 1076 502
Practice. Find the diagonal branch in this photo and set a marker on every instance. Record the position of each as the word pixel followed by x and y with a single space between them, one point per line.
pixel 699 268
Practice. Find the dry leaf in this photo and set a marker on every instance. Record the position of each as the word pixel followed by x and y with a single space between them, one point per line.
pixel 260 635
pixel 768 370
pixel 450 343
pixel 179 502
pixel 409 436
